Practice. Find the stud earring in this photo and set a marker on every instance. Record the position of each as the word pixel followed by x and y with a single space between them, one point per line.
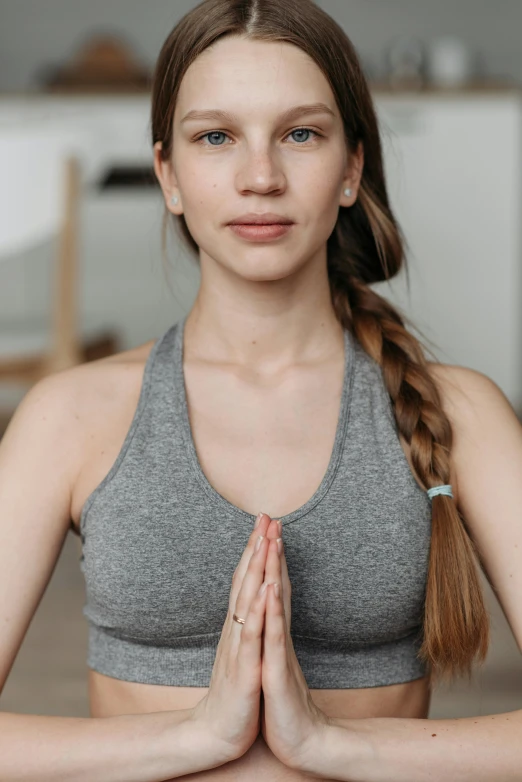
pixel 348 192
pixel 174 200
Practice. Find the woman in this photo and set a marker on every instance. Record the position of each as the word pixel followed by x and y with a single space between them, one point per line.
pixel 290 386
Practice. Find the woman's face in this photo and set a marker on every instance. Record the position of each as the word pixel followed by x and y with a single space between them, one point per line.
pixel 255 159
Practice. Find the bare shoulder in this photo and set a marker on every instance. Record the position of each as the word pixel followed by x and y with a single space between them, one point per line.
pixel 105 390
pixel 468 395
pixel 101 382
pixel 84 390
pixel 484 424
pixel 69 407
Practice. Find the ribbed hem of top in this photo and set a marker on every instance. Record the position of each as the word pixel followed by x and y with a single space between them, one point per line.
pixel 191 665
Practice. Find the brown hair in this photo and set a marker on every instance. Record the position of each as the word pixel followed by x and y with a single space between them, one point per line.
pixel 366 246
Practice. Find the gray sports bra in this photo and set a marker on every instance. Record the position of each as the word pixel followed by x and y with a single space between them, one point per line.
pixel 160 545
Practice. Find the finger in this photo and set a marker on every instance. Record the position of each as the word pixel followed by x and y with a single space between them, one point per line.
pixel 250 570
pixel 272 529
pixel 278 650
pixel 285 581
pixel 253 577
pixel 250 644
pixel 241 569
pixel 252 581
pixel 275 639
pixel 274 572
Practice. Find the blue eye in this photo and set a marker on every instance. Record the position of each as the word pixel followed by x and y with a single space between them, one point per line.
pixel 212 133
pixel 222 133
pixel 303 130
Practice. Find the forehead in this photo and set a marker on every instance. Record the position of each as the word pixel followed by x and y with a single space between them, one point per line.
pixel 243 76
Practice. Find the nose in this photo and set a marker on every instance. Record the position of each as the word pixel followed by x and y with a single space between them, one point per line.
pixel 261 172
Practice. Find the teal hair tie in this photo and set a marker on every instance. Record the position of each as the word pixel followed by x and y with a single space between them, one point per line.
pixel 446 489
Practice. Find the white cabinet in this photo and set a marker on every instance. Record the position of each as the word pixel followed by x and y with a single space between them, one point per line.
pixel 453 165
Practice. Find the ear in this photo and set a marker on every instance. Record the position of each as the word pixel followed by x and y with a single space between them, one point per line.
pixel 353 174
pixel 166 178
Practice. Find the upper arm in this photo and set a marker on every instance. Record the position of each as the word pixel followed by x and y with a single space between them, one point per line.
pixel 38 460
pixel 487 461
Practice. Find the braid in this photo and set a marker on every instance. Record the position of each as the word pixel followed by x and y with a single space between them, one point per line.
pixel 456 627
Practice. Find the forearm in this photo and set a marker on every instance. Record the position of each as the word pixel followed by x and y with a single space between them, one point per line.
pixel 128 748
pixel 472 749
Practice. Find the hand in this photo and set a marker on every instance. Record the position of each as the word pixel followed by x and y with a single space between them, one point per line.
pixel 291 723
pixel 230 710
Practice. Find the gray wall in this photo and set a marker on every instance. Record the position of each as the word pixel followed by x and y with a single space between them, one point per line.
pixel 33 32
pixel 491 27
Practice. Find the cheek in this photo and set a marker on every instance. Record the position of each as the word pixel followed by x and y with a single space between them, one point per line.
pixel 323 176
pixel 203 199
pixel 200 184
pixel 198 176
pixel 325 194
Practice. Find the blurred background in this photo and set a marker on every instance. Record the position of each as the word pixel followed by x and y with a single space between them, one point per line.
pixel 81 270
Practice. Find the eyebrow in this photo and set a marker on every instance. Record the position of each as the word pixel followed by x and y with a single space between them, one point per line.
pixel 226 116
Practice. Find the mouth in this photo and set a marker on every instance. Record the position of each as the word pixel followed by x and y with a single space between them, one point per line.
pixel 260 231
pixel 268 218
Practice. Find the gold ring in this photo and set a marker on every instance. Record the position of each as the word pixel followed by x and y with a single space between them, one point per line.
pixel 238 619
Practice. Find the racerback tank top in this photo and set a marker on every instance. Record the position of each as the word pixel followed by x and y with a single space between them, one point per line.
pixel 160 544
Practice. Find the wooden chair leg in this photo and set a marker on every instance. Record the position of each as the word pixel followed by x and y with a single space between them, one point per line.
pixel 65 350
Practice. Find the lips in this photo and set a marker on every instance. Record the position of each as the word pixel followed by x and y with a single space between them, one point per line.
pixel 261 232
pixel 268 218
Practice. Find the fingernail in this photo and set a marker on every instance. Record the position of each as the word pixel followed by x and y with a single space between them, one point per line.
pixel 263 587
pixel 279 526
pixel 279 544
pixel 258 519
pixel 258 543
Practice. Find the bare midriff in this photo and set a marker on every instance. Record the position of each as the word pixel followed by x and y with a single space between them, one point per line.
pixel 110 697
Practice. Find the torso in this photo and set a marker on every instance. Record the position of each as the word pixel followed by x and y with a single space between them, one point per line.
pixel 243 475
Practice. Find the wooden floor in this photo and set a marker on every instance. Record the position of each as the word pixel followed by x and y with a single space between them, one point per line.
pixel 49 674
